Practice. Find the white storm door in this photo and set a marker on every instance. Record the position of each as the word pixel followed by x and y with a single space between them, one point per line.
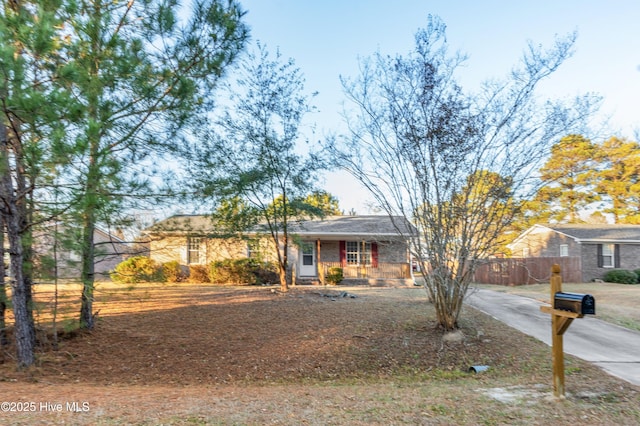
pixel 308 259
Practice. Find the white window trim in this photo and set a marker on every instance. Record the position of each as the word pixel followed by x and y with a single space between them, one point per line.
pixel 564 250
pixel 611 248
pixel 191 242
pixel 363 253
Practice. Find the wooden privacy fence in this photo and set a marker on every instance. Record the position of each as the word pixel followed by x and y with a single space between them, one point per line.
pixel 530 270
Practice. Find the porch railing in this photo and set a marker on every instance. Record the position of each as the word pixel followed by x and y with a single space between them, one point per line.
pixel 383 270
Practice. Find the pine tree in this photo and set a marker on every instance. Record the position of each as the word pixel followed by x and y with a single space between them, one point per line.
pixel 618 179
pixel 145 72
pixel 568 179
pixel 36 107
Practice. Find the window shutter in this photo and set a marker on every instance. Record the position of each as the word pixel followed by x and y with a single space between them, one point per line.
pixel 600 261
pixel 184 252
pixel 616 256
pixel 343 254
pixel 374 255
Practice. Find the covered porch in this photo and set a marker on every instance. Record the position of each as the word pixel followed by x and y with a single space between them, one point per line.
pixel 361 262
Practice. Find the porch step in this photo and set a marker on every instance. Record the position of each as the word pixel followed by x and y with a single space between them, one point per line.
pixel 371 282
pixel 307 281
pixel 379 282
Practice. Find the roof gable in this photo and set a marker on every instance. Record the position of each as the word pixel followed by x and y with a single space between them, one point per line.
pixel 586 233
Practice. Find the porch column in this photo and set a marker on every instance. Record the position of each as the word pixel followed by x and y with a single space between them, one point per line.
pixel 319 267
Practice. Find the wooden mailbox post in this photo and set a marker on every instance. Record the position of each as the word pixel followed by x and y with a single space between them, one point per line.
pixel 561 319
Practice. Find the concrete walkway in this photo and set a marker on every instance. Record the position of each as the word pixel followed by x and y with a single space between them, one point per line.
pixel 614 349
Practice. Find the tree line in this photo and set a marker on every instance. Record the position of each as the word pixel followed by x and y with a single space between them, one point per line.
pixel 587 181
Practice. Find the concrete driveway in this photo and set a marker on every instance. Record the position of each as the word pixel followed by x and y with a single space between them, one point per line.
pixel 614 349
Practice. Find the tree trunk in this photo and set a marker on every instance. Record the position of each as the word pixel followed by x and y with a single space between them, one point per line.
pixel 448 294
pixel 3 290
pixel 88 271
pixel 13 215
pixel 24 328
pixel 282 273
pixel 88 214
pixel 95 90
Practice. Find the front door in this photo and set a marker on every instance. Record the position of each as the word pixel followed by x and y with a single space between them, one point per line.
pixel 308 259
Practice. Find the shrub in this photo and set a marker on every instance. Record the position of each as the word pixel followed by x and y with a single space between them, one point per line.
pixel 173 272
pixel 335 275
pixel 199 274
pixel 137 269
pixel 265 273
pixel 637 271
pixel 230 271
pixel 242 271
pixel 621 276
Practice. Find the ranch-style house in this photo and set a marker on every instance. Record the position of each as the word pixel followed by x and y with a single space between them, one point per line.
pixel 371 249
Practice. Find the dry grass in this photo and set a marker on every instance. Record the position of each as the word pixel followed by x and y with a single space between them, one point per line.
pixel 200 354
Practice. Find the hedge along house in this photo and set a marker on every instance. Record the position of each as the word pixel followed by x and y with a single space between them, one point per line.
pixel 599 247
pixel 369 249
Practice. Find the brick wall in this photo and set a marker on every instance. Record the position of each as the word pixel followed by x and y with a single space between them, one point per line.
pixel 629 259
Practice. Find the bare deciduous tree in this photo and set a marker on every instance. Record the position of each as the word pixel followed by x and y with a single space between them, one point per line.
pixel 453 163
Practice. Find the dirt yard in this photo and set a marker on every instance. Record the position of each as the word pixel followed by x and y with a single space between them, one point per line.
pixel 198 354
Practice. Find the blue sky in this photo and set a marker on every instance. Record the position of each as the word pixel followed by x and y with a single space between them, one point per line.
pixel 325 38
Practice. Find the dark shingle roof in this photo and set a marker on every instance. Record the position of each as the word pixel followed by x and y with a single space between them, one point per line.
pixel 183 224
pixel 353 226
pixel 590 232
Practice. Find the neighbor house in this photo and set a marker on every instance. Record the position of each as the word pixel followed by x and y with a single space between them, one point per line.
pixel 53 259
pixel 369 249
pixel 599 247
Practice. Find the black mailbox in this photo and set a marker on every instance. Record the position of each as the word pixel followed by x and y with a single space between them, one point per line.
pixel 578 303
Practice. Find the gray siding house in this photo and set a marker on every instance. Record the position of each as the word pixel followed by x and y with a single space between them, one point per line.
pixel 599 247
pixel 109 250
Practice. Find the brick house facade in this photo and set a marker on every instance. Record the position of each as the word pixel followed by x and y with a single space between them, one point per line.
pixel 367 248
pixel 599 247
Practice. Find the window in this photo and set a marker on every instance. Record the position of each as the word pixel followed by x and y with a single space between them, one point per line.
pixel 358 253
pixel 608 255
pixel 525 252
pixel 307 254
pixel 608 251
pixel 564 250
pixel 194 250
pixel 352 252
pixel 253 249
